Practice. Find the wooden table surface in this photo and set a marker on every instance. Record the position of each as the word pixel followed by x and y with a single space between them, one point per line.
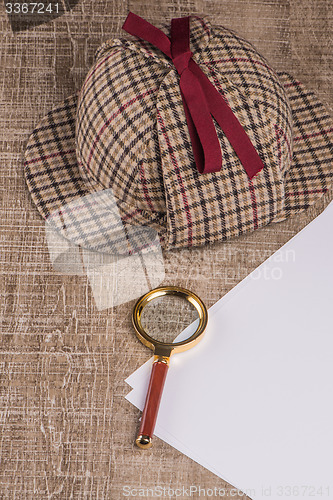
pixel 67 431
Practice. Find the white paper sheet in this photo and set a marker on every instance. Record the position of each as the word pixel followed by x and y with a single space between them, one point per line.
pixel 253 402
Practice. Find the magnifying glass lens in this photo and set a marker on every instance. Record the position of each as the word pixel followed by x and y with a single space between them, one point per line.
pixel 167 320
pixel 164 318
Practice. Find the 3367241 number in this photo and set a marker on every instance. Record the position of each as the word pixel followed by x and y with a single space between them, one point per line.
pixel 31 8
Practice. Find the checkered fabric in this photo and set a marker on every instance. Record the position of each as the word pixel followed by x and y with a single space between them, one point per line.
pixel 118 156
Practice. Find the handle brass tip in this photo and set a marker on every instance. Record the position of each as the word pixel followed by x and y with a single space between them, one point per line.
pixel 143 442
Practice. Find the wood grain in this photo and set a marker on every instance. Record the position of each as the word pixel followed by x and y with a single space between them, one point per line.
pixel 66 430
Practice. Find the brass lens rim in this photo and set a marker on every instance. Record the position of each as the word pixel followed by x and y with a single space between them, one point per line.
pixel 174 347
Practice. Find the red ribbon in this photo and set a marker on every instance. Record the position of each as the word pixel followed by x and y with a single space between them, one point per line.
pixel 201 100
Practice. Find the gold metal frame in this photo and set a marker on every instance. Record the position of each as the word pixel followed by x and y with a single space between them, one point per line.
pixel 165 349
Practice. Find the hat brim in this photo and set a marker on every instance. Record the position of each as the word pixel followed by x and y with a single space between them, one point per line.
pixel 310 174
pixel 94 219
pixel 72 205
pixel 51 167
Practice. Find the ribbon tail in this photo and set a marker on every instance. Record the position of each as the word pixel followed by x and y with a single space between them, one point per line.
pixel 230 124
pixel 205 144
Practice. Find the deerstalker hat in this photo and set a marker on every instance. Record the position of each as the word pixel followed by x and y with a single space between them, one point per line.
pixel 189 134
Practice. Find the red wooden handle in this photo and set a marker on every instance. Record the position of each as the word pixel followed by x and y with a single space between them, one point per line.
pixel 153 398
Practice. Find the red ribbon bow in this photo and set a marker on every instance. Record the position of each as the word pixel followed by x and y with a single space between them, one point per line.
pixel 201 99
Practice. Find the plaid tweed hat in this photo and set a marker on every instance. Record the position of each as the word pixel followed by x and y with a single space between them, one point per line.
pixel 187 135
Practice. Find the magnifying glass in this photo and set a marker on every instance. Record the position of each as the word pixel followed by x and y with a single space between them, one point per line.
pixel 170 305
